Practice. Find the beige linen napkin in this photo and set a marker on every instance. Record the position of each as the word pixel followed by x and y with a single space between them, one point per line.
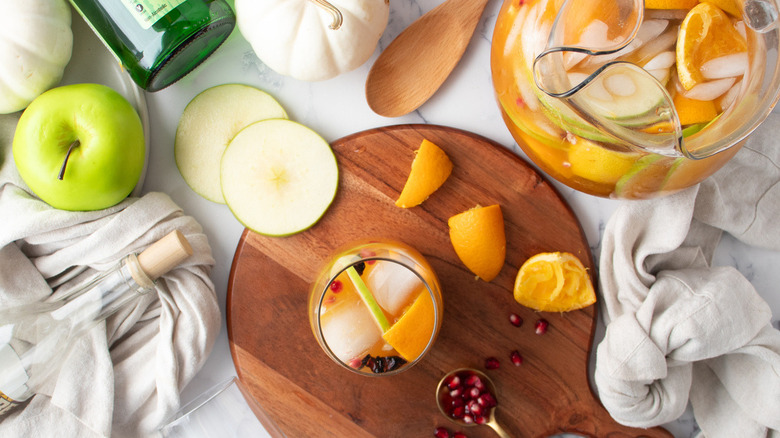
pixel 125 375
pixel 680 330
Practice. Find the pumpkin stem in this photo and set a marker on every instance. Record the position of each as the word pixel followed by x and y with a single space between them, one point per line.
pixel 65 163
pixel 337 17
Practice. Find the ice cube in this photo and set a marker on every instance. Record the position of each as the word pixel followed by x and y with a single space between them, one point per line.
pixel 349 330
pixel 393 285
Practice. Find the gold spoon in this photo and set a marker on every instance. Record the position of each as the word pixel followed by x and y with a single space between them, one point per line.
pixel 418 61
pixel 443 395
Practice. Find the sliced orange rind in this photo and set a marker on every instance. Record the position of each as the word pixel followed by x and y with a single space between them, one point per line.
pixel 411 334
pixel 430 168
pixel 479 240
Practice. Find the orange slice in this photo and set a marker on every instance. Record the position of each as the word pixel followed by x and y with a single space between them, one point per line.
pixel 410 335
pixel 554 282
pixel 479 240
pixel 728 6
pixel 706 33
pixel 430 168
pixel 692 111
pixel 670 4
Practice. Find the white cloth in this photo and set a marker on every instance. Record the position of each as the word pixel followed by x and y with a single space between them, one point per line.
pixel 125 375
pixel 679 330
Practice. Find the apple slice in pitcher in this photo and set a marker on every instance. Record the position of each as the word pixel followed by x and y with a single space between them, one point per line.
pixel 278 177
pixel 208 123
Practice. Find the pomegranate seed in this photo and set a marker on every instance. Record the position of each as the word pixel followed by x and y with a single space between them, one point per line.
pixel 336 286
pixel 541 326
pixel 459 435
pixel 516 320
pixel 457 392
pixel 454 382
pixel 356 363
pixel 441 432
pixel 481 419
pixel 475 408
pixel 474 392
pixel 486 400
pixel 475 381
pixel 458 412
pixel 517 359
pixel 492 363
pixel 458 402
pixel 468 419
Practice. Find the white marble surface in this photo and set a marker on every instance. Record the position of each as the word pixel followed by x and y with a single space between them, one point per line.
pixel 336 108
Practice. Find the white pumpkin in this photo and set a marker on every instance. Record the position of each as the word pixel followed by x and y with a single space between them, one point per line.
pixel 36 43
pixel 303 39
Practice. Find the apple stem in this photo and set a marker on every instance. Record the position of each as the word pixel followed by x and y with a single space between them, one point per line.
pixel 65 163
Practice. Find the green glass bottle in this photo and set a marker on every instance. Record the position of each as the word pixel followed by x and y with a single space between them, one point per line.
pixel 159 41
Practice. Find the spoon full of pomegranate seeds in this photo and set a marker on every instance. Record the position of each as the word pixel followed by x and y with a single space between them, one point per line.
pixel 468 397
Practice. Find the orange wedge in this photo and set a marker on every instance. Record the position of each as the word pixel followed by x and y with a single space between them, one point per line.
pixel 694 111
pixel 430 168
pixel 706 33
pixel 728 6
pixel 670 4
pixel 479 240
pixel 554 282
pixel 410 335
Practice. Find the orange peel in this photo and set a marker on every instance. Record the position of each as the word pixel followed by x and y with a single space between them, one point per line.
pixel 430 168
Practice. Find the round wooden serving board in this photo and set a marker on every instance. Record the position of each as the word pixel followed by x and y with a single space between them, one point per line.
pixel 308 395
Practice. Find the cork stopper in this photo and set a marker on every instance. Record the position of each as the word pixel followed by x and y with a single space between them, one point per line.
pixel 165 254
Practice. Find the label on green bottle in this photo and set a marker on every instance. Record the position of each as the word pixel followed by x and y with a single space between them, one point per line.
pixel 147 12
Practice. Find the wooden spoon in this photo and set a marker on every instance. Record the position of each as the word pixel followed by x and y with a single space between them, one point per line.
pixel 418 61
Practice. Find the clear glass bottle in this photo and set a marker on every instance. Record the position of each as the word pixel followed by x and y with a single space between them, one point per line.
pixel 159 41
pixel 35 338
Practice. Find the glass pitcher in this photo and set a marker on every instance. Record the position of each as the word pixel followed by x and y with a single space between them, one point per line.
pixel 622 99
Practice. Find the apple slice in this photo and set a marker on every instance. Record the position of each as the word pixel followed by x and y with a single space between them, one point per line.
pixel 278 177
pixel 208 123
pixel 368 300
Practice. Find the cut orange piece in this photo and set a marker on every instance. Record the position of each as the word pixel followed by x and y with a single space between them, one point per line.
pixel 479 240
pixel 728 6
pixel 430 168
pixel 706 33
pixel 671 4
pixel 410 335
pixel 692 111
pixel 554 282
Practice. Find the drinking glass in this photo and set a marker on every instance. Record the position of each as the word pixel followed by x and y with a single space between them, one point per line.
pixel 376 307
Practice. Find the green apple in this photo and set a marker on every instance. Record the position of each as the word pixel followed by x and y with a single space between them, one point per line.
pixel 80 147
pixel 278 177
pixel 368 299
pixel 208 123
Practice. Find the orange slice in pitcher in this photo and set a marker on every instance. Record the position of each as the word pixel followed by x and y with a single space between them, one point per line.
pixel 670 4
pixel 706 33
pixel 692 111
pixel 410 335
pixel 554 282
pixel 479 240
pixel 430 168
